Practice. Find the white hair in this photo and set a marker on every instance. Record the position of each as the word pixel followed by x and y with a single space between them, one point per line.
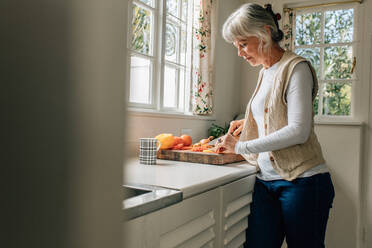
pixel 250 20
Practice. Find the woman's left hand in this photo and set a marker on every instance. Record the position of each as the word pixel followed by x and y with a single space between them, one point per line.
pixel 228 144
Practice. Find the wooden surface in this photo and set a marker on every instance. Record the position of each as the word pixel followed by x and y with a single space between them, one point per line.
pixel 199 157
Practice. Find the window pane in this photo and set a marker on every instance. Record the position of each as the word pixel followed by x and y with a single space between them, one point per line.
pixel 339 26
pixel 316 104
pixel 140 76
pixel 184 9
pixel 171 42
pixel 172 7
pixel 183 45
pixel 188 89
pixel 181 100
pixel 311 54
pixel 148 2
pixel 141 30
pixel 337 62
pixel 337 99
pixel 170 82
pixel 308 27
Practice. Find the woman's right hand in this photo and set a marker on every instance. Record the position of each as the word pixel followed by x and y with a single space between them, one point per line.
pixel 236 127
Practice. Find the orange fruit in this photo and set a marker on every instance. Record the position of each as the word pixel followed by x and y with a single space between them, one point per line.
pixel 166 139
pixel 187 140
pixel 178 140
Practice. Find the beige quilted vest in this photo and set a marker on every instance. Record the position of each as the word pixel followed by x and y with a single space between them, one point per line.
pixel 292 161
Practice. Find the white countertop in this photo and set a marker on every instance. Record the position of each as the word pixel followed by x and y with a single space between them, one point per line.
pixel 190 178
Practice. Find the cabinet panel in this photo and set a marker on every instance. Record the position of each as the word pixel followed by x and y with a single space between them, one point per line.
pixel 140 232
pixel 208 245
pixel 237 204
pixel 195 233
pixel 213 219
pixel 235 200
pixel 190 223
pixel 237 242
pixel 199 239
pixel 238 188
pixel 236 217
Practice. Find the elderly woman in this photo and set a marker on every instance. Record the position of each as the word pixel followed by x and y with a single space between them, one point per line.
pixel 293 192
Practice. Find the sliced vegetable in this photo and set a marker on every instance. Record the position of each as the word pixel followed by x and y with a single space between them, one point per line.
pixel 177 147
pixel 208 151
pixel 197 149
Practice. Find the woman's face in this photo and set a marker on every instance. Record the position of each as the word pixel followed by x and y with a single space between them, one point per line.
pixel 248 49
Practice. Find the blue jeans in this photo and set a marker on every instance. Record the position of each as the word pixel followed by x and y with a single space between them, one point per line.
pixel 297 210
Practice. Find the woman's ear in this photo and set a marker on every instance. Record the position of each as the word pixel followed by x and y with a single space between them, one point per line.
pixel 268 29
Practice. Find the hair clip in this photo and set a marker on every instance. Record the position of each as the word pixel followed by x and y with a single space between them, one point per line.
pixel 268 8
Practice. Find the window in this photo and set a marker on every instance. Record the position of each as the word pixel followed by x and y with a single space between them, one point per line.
pixel 327 37
pixel 160 54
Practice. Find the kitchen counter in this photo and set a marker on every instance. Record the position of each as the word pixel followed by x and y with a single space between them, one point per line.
pixel 190 178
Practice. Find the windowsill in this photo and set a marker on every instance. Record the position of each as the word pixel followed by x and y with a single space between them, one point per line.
pixel 338 122
pixel 175 115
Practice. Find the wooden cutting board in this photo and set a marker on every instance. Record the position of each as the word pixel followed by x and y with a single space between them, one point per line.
pixel 199 157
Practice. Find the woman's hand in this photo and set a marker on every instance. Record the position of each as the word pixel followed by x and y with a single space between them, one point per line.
pixel 227 144
pixel 236 127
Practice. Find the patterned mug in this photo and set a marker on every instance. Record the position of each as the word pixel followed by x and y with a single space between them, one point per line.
pixel 148 150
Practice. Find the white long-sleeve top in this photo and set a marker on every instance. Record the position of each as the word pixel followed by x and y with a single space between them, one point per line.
pixel 299 102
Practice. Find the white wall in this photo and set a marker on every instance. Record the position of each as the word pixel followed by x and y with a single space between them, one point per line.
pixel 248 83
pixel 366 187
pixel 345 147
pixel 342 148
pixel 226 98
pixel 228 76
pixel 66 138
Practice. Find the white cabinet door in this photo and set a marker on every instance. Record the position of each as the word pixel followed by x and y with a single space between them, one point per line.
pixel 214 219
pixel 235 200
pixel 142 232
pixel 191 223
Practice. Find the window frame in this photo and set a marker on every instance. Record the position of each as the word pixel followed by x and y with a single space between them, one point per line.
pixel 153 56
pixel 355 80
pixel 159 62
